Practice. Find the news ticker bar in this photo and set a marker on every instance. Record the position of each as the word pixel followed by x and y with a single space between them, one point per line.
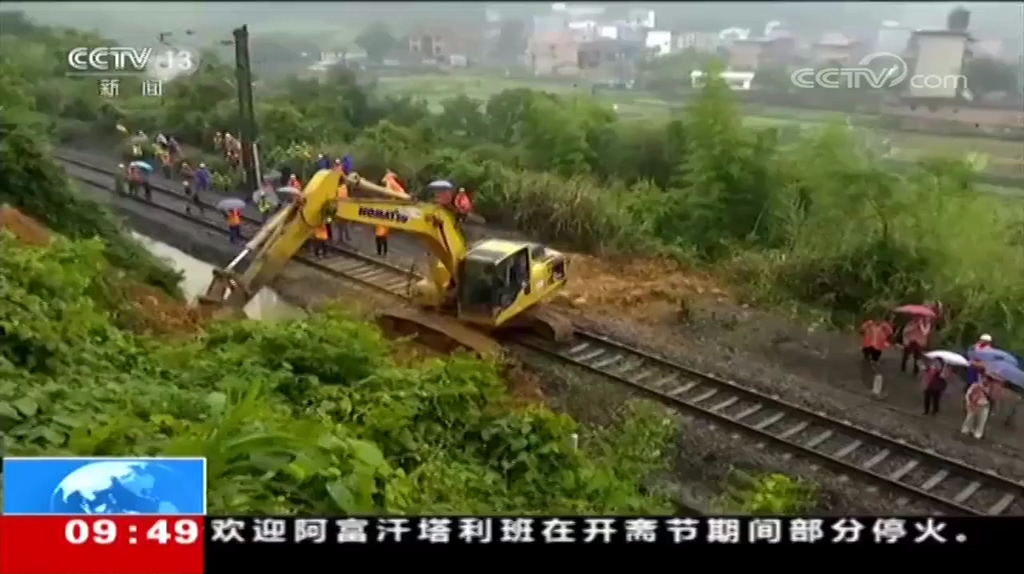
pixel 144 544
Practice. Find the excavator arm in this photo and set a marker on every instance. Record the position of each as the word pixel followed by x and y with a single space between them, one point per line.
pixel 434 225
pixel 511 301
pixel 275 244
pixel 283 236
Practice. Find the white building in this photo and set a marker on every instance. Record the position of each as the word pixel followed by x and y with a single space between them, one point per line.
pixel 659 42
pixel 641 18
pixel 939 62
pixel 739 81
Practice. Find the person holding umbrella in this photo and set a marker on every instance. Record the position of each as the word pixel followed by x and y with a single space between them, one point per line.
pixel 936 378
pixel 984 342
pixel 1009 377
pixel 266 200
pixel 978 408
pixel 138 173
pixel 232 207
pixel 915 334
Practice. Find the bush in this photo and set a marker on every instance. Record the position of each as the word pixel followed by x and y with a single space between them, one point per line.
pixel 308 416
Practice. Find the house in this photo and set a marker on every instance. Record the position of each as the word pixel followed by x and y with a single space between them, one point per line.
pixel 659 42
pixel 700 41
pixel 442 42
pixel 554 54
pixel 745 55
pixel 610 53
pixel 641 18
pixel 834 48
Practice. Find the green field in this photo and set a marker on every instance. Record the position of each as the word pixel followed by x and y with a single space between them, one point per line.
pixel 1003 157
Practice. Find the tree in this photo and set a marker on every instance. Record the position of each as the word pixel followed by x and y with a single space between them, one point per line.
pixel 377 41
pixel 987 76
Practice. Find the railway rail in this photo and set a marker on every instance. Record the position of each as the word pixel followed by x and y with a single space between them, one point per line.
pixel 951 486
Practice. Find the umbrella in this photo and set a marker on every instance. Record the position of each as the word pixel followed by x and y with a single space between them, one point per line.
pixel 948 357
pixel 260 194
pixel 230 203
pixel 991 355
pixel 141 165
pixel 440 184
pixel 1006 372
pixel 921 310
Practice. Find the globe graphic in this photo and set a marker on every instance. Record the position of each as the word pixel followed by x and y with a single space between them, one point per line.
pixel 118 487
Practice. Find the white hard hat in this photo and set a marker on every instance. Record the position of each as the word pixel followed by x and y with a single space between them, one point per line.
pixel 986 337
pixel 202 165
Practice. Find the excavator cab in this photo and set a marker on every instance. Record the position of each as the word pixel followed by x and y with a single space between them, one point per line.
pixel 501 283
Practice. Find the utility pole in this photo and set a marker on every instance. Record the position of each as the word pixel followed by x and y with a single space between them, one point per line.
pixel 247 130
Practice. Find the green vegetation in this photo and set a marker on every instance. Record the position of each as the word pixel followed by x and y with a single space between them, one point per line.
pixel 305 416
pixel 310 416
pixel 810 218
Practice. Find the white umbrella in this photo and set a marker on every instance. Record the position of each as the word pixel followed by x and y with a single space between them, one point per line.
pixel 949 357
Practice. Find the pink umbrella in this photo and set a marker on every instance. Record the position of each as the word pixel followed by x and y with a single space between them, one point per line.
pixel 920 310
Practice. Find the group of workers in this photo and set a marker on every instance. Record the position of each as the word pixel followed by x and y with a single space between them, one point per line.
pixel 982 392
pixel 197 181
pixel 339 229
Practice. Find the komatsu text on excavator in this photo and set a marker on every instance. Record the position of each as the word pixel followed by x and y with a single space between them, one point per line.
pixel 493 284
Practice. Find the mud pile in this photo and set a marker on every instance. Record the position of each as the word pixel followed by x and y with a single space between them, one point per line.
pixel 155 312
pixel 26 229
pixel 636 288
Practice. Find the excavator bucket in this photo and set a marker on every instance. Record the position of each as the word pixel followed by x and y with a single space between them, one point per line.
pixel 439 332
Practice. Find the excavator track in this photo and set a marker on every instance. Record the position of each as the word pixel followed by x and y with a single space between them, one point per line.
pixel 544 323
pixel 442 333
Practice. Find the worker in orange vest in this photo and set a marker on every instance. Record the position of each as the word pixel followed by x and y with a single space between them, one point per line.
pixel 391 182
pixel 320 237
pixel 380 237
pixel 463 205
pixel 235 225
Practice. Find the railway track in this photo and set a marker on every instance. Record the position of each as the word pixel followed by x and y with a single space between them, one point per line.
pixel 340 262
pixel 950 485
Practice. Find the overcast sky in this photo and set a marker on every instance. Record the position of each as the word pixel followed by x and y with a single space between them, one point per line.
pixel 117 18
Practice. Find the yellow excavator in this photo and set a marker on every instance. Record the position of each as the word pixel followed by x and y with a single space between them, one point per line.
pixel 493 284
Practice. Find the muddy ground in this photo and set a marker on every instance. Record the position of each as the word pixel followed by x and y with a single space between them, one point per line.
pixel 689 317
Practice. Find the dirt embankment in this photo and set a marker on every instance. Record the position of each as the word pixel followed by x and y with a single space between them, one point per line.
pixel 151 311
